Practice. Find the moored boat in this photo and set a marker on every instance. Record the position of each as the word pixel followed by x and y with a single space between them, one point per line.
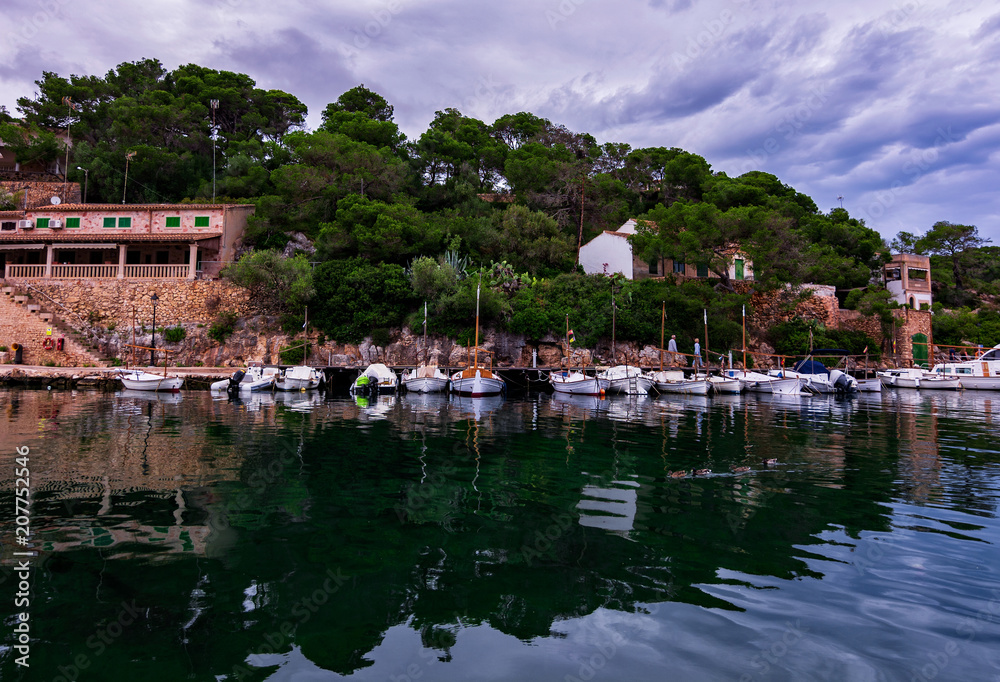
pixel 918 378
pixel 299 378
pixel 674 381
pixel 574 382
pixel 425 379
pixel 254 378
pixel 477 380
pixel 762 383
pixel 979 374
pixel 141 380
pixel 376 378
pixel 625 379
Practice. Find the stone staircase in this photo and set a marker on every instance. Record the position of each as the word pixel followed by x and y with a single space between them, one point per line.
pixel 26 321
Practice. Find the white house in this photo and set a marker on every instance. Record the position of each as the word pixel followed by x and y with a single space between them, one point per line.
pixel 908 279
pixel 611 252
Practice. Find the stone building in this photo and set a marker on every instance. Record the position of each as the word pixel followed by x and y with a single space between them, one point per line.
pixel 127 241
pixel 908 279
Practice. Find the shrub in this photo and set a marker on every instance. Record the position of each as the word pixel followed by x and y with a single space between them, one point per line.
pixel 224 326
pixel 3 349
pixel 175 334
pixel 292 356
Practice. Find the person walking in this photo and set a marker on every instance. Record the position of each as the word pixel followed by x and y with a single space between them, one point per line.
pixel 696 363
pixel 672 349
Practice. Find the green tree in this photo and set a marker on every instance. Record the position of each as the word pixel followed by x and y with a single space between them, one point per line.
pixel 952 241
pixel 280 284
pixel 363 116
pixel 355 297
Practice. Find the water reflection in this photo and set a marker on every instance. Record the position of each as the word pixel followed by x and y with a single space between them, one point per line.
pixel 432 531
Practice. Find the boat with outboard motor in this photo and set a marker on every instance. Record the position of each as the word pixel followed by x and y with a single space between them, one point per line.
pixel 625 380
pixel 919 378
pixel 815 375
pixel 376 378
pixel 140 380
pixel 256 377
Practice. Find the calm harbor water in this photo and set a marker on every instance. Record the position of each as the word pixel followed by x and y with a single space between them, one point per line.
pixel 534 538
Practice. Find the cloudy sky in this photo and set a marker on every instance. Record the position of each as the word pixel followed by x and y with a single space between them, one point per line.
pixel 893 105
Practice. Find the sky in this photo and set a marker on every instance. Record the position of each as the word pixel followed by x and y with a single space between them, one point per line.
pixel 890 108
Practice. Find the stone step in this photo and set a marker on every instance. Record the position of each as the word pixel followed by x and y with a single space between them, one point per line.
pixel 34 308
pixel 46 317
pixel 20 299
pixel 9 291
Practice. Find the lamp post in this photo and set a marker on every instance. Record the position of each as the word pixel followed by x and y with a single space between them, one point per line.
pixel 86 181
pixel 154 298
pixel 215 105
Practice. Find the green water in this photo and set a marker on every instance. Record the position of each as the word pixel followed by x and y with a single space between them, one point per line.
pixel 533 538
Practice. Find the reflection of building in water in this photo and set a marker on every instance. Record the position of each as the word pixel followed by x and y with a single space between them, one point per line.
pixel 919 459
pixel 103 463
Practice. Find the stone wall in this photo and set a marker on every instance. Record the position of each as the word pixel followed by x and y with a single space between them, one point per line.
pixel 41 193
pixel 111 303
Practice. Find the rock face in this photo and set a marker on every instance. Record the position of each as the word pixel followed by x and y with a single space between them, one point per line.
pixel 299 243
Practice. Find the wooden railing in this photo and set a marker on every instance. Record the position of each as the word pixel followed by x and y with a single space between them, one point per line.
pixel 156 271
pixel 15 271
pixel 84 271
pixel 25 271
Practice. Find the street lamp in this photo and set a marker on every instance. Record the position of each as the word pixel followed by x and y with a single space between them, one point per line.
pixel 86 180
pixel 154 298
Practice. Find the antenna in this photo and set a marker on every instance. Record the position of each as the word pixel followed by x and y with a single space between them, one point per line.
pixel 841 200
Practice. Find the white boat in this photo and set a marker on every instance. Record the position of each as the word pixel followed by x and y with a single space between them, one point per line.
pixel 673 381
pixel 254 378
pixel 574 382
pixel 299 378
pixel 141 380
pixel 376 378
pixel 625 379
pixel 719 384
pixel 832 381
pixel 425 379
pixel 871 385
pixel 477 380
pixel 979 374
pixel 919 378
pixel 762 383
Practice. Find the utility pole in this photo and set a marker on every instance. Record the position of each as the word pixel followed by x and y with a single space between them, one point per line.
pixel 215 105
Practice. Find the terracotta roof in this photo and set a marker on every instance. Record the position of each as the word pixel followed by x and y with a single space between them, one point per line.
pixel 105 208
pixel 73 235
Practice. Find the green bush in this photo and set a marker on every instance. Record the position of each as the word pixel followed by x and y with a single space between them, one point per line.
pixel 292 356
pixel 356 297
pixel 175 334
pixel 224 326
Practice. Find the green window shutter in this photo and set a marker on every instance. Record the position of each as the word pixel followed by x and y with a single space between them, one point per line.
pixel 109 222
pixel 42 222
pixel 72 222
pixel 703 271
pixel 201 221
pixel 124 222
pixel 174 221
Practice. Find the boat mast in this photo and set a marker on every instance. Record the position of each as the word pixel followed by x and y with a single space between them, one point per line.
pixel 305 342
pixel 663 319
pixel 566 343
pixel 425 333
pixel 744 339
pixel 706 338
pixel 475 350
pixel 614 356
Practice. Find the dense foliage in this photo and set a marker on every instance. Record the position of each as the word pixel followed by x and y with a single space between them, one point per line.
pixel 396 222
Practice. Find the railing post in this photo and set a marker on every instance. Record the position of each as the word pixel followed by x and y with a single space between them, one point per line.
pixel 122 248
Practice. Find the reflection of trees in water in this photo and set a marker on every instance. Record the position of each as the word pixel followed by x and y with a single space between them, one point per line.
pixel 442 518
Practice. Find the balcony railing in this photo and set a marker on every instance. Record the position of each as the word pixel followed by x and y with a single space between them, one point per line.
pixel 15 271
pixel 83 271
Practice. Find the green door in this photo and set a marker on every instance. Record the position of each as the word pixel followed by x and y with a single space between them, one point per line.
pixel 739 268
pixel 919 349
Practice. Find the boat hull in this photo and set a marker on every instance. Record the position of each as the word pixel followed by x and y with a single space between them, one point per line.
pixel 575 384
pixel 426 385
pixel 476 386
pixel 789 386
pixel 637 385
pixel 870 385
pixel 981 383
pixel 722 385
pixel 684 386
pixel 144 381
